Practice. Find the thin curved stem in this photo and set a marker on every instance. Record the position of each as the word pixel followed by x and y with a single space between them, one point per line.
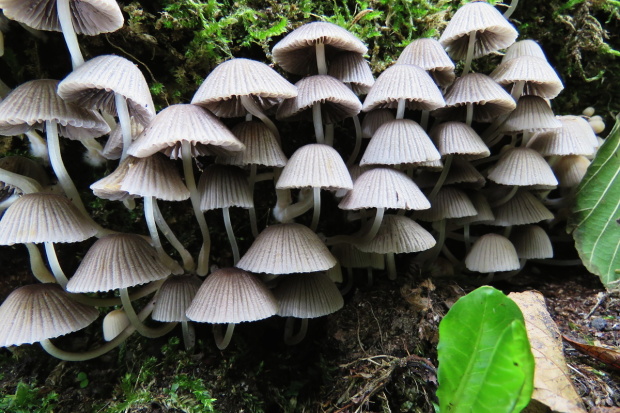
pixel 250 105
pixel 186 257
pixel 506 197
pixel 52 259
pixel 149 216
pixel 291 339
pixel 109 302
pixel 440 242
pixel 25 184
pixel 358 141
pixel 252 210
pixel 317 118
pixel 231 235
pixel 37 265
pixel 66 23
pixel 137 323
pixel 469 117
pixel 376 224
pixel 316 196
pixel 223 340
pixel 517 90
pixel 511 9
pixel 442 178
pixel 350 278
pixel 123 118
pixel 470 53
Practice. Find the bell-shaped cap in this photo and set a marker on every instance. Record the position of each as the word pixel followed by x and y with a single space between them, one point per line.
pixel 570 170
pixel 523 208
pixel 398 235
pixel 522 167
pixel 527 47
pixel 492 253
pixel 449 203
pixel 373 119
pixel 532 114
pixel 531 242
pixel 154 176
pixel 457 138
pixel 261 147
pixel 428 54
pixel 109 187
pixel 174 298
pixel 307 296
pixel 353 70
pixel 224 186
pixel 539 77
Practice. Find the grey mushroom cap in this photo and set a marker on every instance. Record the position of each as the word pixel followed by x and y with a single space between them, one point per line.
pixel 307 296
pixel 399 234
pixel 492 253
pixel 174 298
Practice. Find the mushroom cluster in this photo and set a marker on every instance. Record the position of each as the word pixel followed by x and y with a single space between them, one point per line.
pixel 464 169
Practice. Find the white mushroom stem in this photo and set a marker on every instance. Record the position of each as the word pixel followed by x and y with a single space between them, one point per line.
pixel 189 334
pixel 291 339
pixel 329 134
pixel 517 90
pixel 469 117
pixel 137 322
pixel 400 110
pixel 103 349
pixel 125 121
pixel 321 64
pixel 231 235
pixel 38 147
pixel 250 105
pixel 109 302
pixel 390 262
pixel 442 177
pixel 291 211
pixel 203 258
pixel 316 196
pixel 149 216
pixel 511 9
pixel 188 261
pixel 223 340
pixel 66 23
pixel 52 259
pixel 358 141
pixel 26 185
pixel 424 119
pixel 317 118
pixel 37 266
pixel 94 152
pixel 470 52
pixel 252 210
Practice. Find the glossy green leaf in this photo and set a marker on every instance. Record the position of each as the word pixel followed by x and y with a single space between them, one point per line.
pixel 595 219
pixel 485 360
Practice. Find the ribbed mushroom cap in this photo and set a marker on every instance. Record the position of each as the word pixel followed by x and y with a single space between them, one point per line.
pixel 531 242
pixel 32 103
pixel 353 70
pixel 483 209
pixel 493 31
pixel 429 55
pixel 457 138
pixel 487 96
pixel 315 165
pixel 114 323
pixel 109 187
pixel 307 296
pixel 524 208
pixel 570 170
pixel 113 148
pixel 296 54
pixel 567 140
pixel 89 17
pixel 373 119
pixel 492 253
pixel 539 77
pixel 397 142
pixel 461 173
pixel 399 234
pixel 183 122
pixel 525 47
pixel 94 84
pixel 350 257
pixel 384 188
pixel 261 146
pixel 41 311
pixel 337 100
pixel 522 167
pixel 43 217
pixel 174 298
pixel 532 114
pixel 224 186
pixel 117 261
pixel 229 81
pixel 408 82
pixel 581 127
pixel 287 248
pixel 154 176
pixel 231 295
pixel 449 203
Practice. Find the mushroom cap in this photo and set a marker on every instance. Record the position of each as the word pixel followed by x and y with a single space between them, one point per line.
pixel 531 242
pixel 532 114
pixel 429 54
pixel 295 53
pixel 44 217
pixel 397 142
pixel 174 298
pixel 492 253
pixel 493 31
pixel 461 173
pixel 32 103
pixel 307 296
pixel 317 166
pixel 90 17
pixel 41 311
pixel 398 234
pixel 117 261
pixel 373 119
pixel 353 70
pixel 522 167
pixel 337 100
pixel 109 187
pixel 570 170
pixel 183 122
pixel 526 47
pixel 384 188
pixel 539 77
pixel 113 148
pixel 114 323
pixel 523 208
pixel 94 85
pixel 408 82
pixel 449 203
pixel 484 212
pixel 221 90
pixel 154 176
pixel 231 295
pixel 224 186
pixel 570 139
pixel 457 138
pixel 285 249
pixel 261 147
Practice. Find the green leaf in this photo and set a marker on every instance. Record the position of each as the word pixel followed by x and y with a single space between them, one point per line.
pixel 595 219
pixel 485 360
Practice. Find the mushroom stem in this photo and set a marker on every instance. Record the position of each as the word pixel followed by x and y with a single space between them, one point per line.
pixel 188 261
pixel 223 340
pixel 231 235
pixel 511 9
pixel 149 216
pixel 321 64
pixel 469 117
pixel 358 141
pixel 190 181
pixel 38 148
pixel 506 197
pixel 66 23
pixel 470 52
pixel 123 118
pixel 137 322
pixel 391 265
pixel 250 105
pixel 400 111
pixel 252 210
pixel 350 278
pixel 318 123
pixel 292 211
pixel 316 196
pixel 37 266
pixel 189 334
pixel 376 224
pixel 424 119
pixel 59 274
pixel 517 90
pixel 440 242
pixel 109 302
pixel 291 339
pixel 467 238
pixel 25 184
pixel 442 177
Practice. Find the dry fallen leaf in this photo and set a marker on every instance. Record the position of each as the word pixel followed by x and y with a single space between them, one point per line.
pixel 552 384
pixel 608 356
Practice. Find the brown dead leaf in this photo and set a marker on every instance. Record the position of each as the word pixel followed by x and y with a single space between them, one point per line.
pixel 552 384
pixel 608 356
